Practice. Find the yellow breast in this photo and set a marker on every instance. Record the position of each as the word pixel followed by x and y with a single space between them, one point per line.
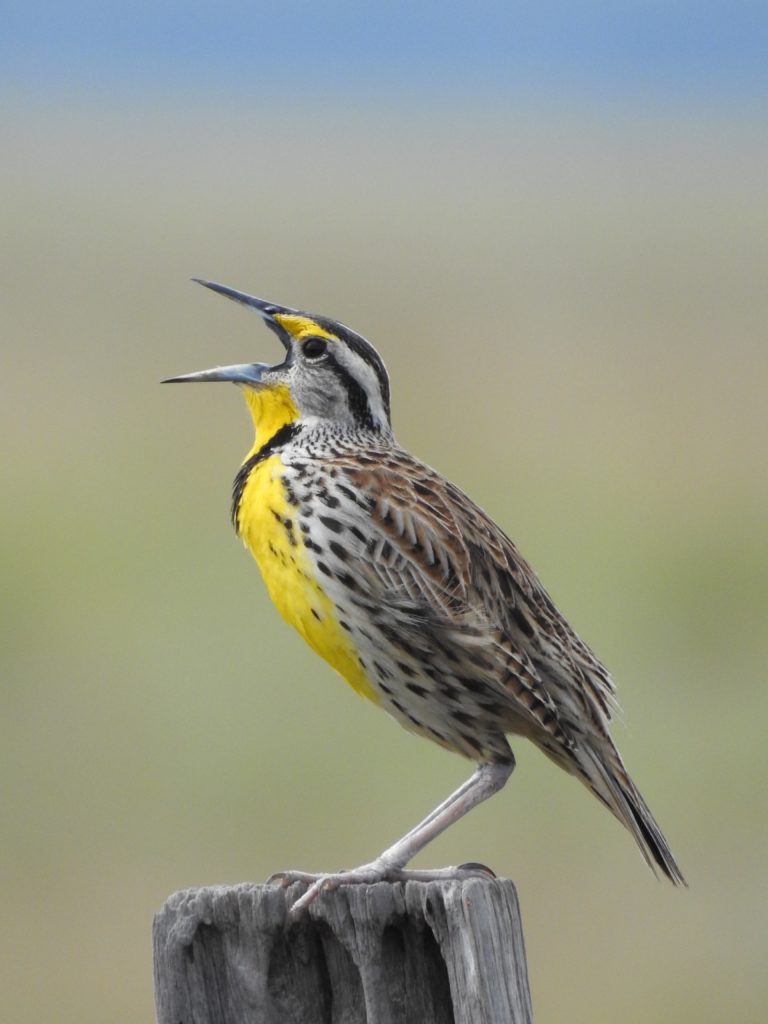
pixel 269 526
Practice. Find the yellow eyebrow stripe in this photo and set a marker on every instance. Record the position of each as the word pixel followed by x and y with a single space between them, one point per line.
pixel 302 326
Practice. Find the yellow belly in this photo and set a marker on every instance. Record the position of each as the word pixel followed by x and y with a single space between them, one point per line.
pixel 269 527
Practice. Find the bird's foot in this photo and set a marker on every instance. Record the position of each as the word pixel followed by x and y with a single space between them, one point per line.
pixel 367 874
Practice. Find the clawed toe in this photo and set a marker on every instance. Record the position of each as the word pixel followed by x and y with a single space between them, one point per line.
pixel 286 878
pixel 323 883
pixel 365 875
pixel 474 867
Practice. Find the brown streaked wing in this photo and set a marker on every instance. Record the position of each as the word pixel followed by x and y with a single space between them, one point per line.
pixel 449 552
pixel 417 564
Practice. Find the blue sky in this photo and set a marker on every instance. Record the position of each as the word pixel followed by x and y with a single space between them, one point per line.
pixel 693 50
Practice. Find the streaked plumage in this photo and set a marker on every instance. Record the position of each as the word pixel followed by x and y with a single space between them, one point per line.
pixel 408 588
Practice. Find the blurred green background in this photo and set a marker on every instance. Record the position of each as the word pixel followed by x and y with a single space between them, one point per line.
pixel 563 261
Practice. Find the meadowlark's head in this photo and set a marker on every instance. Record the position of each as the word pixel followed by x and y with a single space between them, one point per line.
pixel 328 373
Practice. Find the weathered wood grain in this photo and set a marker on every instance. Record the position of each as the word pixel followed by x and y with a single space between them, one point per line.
pixel 402 953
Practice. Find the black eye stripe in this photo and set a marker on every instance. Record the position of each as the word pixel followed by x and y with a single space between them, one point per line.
pixel 313 348
pixel 356 396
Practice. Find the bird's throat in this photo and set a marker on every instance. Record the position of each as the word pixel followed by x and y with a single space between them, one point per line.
pixel 271 409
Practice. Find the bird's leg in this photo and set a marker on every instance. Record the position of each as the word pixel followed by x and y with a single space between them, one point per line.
pixel 486 780
pixel 482 784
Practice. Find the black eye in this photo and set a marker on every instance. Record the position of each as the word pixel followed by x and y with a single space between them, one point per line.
pixel 314 348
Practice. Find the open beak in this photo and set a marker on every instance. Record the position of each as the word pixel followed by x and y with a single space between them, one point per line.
pixel 241 373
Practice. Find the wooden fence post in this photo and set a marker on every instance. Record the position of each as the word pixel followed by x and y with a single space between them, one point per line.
pixel 402 953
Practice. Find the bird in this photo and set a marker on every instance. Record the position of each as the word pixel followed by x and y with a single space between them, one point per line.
pixel 409 590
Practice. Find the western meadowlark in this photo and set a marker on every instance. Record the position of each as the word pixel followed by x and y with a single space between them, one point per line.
pixel 408 589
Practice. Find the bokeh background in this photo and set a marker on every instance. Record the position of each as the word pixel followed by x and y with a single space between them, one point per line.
pixel 552 220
